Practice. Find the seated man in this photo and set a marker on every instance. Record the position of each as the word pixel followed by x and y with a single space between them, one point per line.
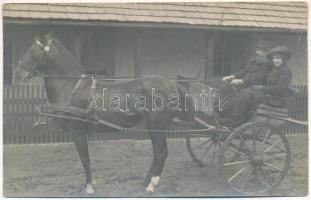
pixel 255 74
pixel 278 82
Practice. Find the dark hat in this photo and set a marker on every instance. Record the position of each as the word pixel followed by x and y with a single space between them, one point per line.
pixel 263 44
pixel 283 51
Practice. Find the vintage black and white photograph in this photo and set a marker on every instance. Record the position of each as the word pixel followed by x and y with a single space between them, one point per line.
pixel 155 99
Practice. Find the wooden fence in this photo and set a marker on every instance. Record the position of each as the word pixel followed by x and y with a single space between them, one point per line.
pixel 22 124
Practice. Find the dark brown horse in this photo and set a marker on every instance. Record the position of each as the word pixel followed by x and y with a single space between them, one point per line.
pixel 50 58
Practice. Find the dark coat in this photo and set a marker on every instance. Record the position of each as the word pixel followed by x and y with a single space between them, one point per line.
pixel 245 101
pixel 255 74
pixel 278 81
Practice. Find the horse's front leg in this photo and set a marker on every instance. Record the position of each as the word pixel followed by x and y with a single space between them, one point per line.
pixel 80 140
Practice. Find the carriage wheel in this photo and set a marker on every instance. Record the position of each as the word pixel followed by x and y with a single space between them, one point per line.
pixel 204 147
pixel 263 160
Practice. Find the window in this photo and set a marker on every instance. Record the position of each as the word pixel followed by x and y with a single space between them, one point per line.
pixel 223 55
pixel 230 52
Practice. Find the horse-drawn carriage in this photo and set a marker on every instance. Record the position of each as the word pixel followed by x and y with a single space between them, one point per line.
pixel 252 158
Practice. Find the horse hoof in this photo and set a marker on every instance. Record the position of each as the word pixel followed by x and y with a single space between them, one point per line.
pixel 153 183
pixel 150 188
pixel 89 189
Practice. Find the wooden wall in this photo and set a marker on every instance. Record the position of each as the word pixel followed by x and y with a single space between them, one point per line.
pixel 98 49
pixel 125 57
pixel 161 52
pixel 171 52
pixel 164 53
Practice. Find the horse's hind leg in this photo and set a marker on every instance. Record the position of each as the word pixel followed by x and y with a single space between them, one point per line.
pixel 80 141
pixel 160 152
pixel 152 168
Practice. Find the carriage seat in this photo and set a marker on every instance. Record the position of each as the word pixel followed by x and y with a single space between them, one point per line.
pixel 275 105
pixel 279 103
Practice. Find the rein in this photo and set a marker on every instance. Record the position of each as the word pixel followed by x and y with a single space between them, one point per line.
pixel 116 78
pixel 119 128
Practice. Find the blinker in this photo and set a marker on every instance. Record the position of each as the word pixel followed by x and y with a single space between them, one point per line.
pixel 47 48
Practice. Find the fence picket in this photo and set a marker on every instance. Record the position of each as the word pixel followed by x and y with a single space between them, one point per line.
pixel 20 115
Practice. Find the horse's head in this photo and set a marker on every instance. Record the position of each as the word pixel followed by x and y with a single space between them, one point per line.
pixel 31 63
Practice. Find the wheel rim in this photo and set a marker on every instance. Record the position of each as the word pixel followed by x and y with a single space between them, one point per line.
pixel 263 160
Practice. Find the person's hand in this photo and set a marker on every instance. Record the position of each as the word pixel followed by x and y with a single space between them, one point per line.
pixel 237 82
pixel 258 87
pixel 228 78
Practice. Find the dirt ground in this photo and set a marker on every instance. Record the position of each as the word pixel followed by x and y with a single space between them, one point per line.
pixel 54 170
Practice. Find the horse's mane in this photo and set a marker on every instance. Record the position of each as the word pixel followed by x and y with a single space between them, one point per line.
pixel 65 54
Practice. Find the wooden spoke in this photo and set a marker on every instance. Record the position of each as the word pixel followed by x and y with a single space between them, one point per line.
pixel 201 151
pixel 245 145
pixel 213 157
pixel 210 139
pixel 240 153
pixel 209 147
pixel 272 166
pixel 275 156
pixel 236 174
pixel 237 150
pixel 277 147
pixel 269 148
pixel 264 140
pixel 245 179
pixel 237 162
pixel 266 176
pixel 254 138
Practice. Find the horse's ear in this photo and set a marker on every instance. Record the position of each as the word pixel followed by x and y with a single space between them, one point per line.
pixel 49 35
pixel 37 38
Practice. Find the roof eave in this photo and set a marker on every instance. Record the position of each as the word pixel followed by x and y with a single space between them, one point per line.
pixel 28 21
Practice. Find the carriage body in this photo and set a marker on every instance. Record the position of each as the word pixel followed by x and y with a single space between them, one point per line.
pixel 253 158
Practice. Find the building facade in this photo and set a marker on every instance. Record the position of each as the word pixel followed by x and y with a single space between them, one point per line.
pixel 198 40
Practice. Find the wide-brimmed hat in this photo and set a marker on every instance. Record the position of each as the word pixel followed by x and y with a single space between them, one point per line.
pixel 283 51
pixel 263 44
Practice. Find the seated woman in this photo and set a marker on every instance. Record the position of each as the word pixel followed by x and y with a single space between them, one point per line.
pixel 278 81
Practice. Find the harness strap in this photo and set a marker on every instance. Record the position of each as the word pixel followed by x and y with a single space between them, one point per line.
pixel 92 94
pixel 75 89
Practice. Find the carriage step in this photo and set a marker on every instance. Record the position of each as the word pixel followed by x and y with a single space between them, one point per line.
pixel 273 109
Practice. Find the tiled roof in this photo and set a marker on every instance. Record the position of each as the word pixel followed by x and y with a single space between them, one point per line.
pixel 280 15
